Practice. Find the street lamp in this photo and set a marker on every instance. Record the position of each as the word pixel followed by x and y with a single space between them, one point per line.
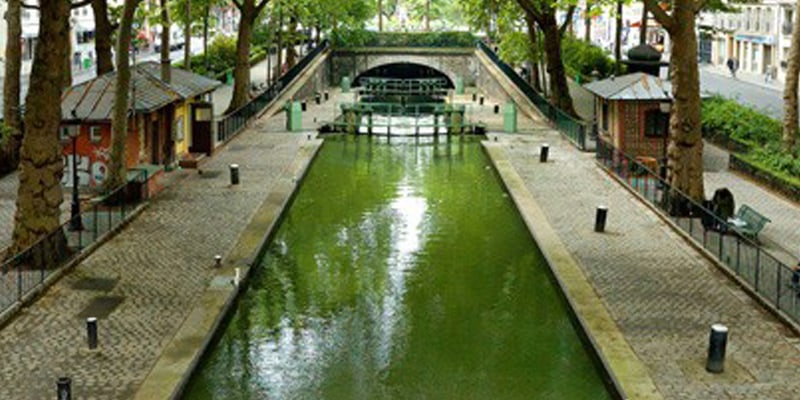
pixel 75 222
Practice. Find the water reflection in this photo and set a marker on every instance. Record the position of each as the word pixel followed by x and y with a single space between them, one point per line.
pixel 404 274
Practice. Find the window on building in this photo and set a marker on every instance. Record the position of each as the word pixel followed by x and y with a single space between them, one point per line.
pixel 95 134
pixel 605 115
pixel 757 20
pixel 766 16
pixel 788 21
pixel 747 18
pixel 656 124
pixel 67 131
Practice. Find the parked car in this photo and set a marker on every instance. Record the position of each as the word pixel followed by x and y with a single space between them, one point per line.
pixel 176 40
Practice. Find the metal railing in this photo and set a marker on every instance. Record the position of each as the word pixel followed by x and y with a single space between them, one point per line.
pixel 232 123
pixel 765 274
pixel 24 272
pixel 574 129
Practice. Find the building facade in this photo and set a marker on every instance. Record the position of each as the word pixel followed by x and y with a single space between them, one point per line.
pixel 758 37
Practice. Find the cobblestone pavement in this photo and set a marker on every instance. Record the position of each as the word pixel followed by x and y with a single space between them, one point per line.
pixel 155 269
pixel 663 295
pixel 8 200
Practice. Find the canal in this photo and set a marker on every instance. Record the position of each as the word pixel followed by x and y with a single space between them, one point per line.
pixel 401 270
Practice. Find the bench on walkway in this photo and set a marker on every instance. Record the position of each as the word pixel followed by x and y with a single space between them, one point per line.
pixel 748 222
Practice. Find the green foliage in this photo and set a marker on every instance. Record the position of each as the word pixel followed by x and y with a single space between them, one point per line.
pixel 734 121
pixel 515 48
pixel 773 158
pixel 581 58
pixel 365 38
pixel 221 57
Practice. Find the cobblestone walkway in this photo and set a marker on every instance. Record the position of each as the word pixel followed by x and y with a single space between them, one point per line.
pixel 154 269
pixel 663 295
pixel 8 200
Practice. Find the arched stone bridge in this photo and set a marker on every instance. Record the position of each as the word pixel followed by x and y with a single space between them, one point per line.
pixel 451 62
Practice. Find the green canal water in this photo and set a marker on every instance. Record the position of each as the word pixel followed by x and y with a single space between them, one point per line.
pixel 402 270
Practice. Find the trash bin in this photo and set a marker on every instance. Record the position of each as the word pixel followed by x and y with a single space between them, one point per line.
pixel 294 117
pixel 345 84
pixel 510 118
pixel 229 77
pixel 459 85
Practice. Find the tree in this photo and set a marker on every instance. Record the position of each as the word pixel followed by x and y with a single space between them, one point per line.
pixel 618 36
pixel 544 13
pixel 187 39
pixel 41 166
pixel 166 64
pixel 119 118
pixel 685 149
pixel 11 139
pixel 249 11
pixel 643 28
pixel 587 22
pixel 790 116
pixel 102 39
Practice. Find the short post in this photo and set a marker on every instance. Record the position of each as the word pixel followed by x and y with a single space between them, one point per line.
pixel 64 388
pixel 716 348
pixel 326 95
pixel 480 101
pixel 236 277
pixel 474 97
pixel 318 98
pixel 217 260
pixel 91 332
pixel 234 174
pixel 304 105
pixel 497 109
pixel 544 152
pixel 600 219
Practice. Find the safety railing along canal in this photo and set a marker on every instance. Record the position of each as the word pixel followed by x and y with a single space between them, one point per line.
pixel 577 131
pixel 765 274
pixel 232 123
pixel 26 272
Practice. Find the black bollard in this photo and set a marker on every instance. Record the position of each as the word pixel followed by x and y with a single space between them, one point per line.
pixel 326 95
pixel 481 101
pixel 474 97
pixel 234 174
pixel 600 219
pixel 318 98
pixel 544 152
pixel 217 260
pixel 497 109
pixel 716 348
pixel 64 388
pixel 303 106
pixel 91 332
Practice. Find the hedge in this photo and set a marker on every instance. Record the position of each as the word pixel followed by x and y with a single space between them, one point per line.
pixel 737 122
pixel 365 38
pixel 581 59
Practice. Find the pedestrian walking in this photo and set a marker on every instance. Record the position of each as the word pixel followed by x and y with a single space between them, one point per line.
pixel 768 74
pixel 731 67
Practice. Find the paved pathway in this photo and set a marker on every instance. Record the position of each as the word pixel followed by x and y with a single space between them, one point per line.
pixel 156 267
pixel 663 295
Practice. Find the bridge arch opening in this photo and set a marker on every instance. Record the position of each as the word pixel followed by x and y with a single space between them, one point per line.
pixel 403 71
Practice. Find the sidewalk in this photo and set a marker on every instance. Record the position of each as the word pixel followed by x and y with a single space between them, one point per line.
pixel 661 293
pixel 744 76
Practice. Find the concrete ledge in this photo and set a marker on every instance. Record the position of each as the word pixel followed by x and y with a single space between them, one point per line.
pixel 628 374
pixel 181 355
pixel 516 95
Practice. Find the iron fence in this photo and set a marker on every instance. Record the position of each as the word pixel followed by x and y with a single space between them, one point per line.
pixel 765 274
pixel 232 123
pixel 26 271
pixel 574 129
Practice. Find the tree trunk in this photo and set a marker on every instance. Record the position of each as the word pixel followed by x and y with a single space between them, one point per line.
pixel 206 17
pixel 102 38
pixel 559 91
pixel 279 44
pixel 790 116
pixel 685 150
pixel 533 51
pixel 643 27
pixel 67 77
pixel 241 71
pixel 166 70
pixel 41 165
pixel 187 42
pixel 618 38
pixel 427 15
pixel 11 88
pixel 119 119
pixel 380 15
pixel 587 23
pixel 291 53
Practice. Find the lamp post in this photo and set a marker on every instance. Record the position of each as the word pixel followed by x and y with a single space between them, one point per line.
pixel 665 107
pixel 75 223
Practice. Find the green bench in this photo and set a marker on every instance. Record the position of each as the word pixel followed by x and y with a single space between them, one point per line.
pixel 748 222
